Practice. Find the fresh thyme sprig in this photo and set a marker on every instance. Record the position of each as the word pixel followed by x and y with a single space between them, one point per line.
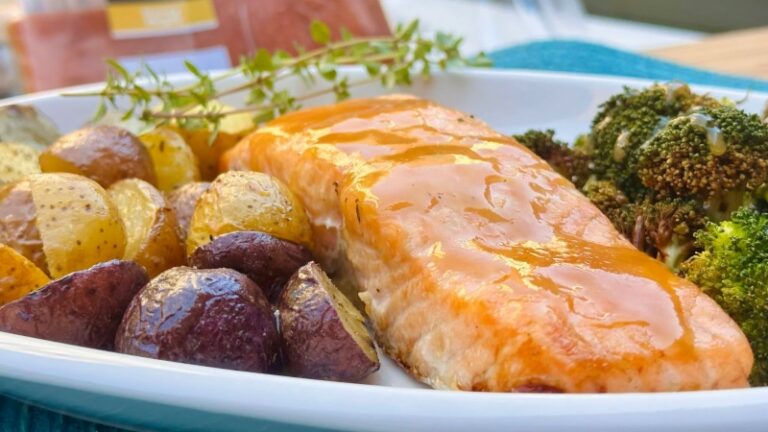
pixel 390 60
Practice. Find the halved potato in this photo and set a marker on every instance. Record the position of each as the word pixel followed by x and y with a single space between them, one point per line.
pixel 183 200
pixel 266 260
pixel 24 124
pixel 61 222
pixel 105 154
pixel 17 160
pixel 175 163
pixel 215 318
pixel 248 201
pixel 324 335
pixel 152 238
pixel 18 275
pixel 18 223
pixel 83 308
pixel 232 129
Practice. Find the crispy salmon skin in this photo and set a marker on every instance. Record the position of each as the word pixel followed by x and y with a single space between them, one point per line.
pixel 479 266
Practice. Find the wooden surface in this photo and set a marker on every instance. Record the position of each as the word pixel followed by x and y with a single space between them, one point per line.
pixel 744 53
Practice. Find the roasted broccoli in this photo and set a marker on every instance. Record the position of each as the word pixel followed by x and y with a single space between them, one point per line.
pixel 714 155
pixel 662 229
pixel 606 196
pixel 629 119
pixel 666 229
pixel 571 163
pixel 662 162
pixel 733 269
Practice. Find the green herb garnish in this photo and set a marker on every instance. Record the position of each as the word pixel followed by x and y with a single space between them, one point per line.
pixel 390 60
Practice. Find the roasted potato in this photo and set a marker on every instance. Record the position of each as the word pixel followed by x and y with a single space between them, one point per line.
pixel 17 160
pixel 18 275
pixel 151 230
pixel 232 129
pixel 105 154
pixel 175 163
pixel 60 222
pixel 324 336
pixel 26 125
pixel 83 308
pixel 247 201
pixel 183 200
pixel 214 318
pixel 266 260
pixel 18 222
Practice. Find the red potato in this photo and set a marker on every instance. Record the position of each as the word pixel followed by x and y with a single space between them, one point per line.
pixel 83 308
pixel 216 318
pixel 324 336
pixel 266 260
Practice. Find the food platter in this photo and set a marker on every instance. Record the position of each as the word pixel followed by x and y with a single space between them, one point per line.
pixel 149 393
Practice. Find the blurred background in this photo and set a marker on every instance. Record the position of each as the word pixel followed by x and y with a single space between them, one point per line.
pixel 47 44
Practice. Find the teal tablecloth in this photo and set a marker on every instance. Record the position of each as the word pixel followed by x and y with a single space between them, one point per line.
pixel 561 56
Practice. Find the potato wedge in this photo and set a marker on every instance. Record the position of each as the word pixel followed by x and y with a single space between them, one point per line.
pixel 18 222
pixel 215 318
pixel 324 336
pixel 24 124
pixel 151 230
pixel 60 222
pixel 83 308
pixel 248 201
pixel 232 129
pixel 17 160
pixel 183 201
pixel 175 163
pixel 266 260
pixel 105 154
pixel 18 275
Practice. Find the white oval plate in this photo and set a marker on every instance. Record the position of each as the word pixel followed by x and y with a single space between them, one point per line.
pixel 145 393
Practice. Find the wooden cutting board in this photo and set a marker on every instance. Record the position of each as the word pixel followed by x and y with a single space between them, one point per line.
pixel 742 52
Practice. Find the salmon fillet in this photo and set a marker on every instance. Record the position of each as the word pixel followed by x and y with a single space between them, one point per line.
pixel 479 266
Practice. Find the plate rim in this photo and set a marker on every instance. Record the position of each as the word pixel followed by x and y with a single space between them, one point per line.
pixel 475 404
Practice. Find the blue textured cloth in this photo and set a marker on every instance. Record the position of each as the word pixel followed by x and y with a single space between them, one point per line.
pixel 585 57
pixel 561 56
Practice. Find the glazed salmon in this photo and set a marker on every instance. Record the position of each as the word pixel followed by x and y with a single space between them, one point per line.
pixel 479 266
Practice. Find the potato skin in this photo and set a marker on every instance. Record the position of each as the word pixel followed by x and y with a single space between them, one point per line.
pixel 17 161
pixel 266 260
pixel 215 318
pixel 18 275
pixel 83 308
pixel 175 163
pixel 102 153
pixel 18 222
pixel 248 201
pixel 232 129
pixel 315 342
pixel 183 200
pixel 78 222
pixel 152 233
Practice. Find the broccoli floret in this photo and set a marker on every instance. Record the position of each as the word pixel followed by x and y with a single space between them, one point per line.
pixel 733 269
pixel 627 120
pixel 666 229
pixel 606 196
pixel 662 229
pixel 571 163
pixel 714 155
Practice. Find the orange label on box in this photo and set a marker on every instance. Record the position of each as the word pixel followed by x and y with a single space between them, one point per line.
pixel 144 18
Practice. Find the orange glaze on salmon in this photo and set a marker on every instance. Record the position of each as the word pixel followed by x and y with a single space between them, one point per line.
pixel 480 267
